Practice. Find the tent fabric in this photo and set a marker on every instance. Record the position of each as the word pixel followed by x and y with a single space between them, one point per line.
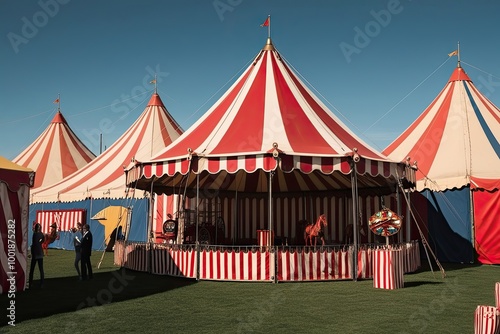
pixel 268 120
pixel 104 177
pixel 55 154
pixel 137 230
pixel 487 226
pixel 449 224
pixel 456 145
pixel 15 184
pixel 455 141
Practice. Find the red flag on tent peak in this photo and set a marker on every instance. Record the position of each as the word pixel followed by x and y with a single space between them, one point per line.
pixel 56 100
pixel 266 22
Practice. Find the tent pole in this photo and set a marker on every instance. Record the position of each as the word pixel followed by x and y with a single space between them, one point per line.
pixel 196 221
pixel 408 216
pixel 398 204
pixel 270 217
pixel 149 232
pixel 354 191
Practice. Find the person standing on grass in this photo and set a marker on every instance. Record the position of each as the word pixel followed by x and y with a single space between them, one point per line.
pixel 86 245
pixel 77 242
pixel 37 254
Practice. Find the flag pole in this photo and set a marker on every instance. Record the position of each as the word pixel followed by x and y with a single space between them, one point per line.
pixel 458 53
pixel 269 27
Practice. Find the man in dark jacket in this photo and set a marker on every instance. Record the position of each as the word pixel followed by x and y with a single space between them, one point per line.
pixel 86 245
pixel 37 254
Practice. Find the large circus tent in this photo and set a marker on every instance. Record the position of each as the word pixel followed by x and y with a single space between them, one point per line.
pixel 55 154
pixel 275 155
pixel 456 145
pixel 94 191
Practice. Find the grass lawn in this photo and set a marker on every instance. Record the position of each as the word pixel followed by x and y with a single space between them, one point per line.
pixel 119 300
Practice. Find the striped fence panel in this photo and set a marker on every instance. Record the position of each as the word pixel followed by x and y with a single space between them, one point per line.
pixel 301 265
pixel 136 256
pixel 486 320
pixel 173 262
pixel 411 262
pixel 365 265
pixel 388 269
pixel 237 265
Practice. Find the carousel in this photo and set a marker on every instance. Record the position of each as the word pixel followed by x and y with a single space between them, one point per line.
pixel 273 187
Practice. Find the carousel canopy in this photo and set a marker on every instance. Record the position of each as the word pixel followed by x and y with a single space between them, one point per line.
pixel 268 120
pixel 455 141
pixel 55 154
pixel 103 177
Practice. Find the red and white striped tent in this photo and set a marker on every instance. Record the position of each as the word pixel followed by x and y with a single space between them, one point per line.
pixel 15 184
pixel 104 176
pixel 456 144
pixel 268 133
pixel 55 154
pixel 103 179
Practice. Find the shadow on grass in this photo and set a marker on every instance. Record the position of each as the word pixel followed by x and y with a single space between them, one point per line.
pixel 415 284
pixel 68 294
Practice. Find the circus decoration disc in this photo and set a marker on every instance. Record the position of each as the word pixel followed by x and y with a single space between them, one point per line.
pixel 385 223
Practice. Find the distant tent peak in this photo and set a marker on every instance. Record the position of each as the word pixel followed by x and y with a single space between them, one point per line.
pixel 459 75
pixel 155 101
pixel 59 118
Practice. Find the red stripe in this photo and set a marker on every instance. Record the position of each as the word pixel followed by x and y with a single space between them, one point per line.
pixel 404 136
pixel 336 127
pixel 67 159
pixel 233 267
pixel 306 164
pixel 203 264
pixel 327 165
pixel 295 120
pixel 171 168
pixel 242 269
pixel 231 164
pixel 159 169
pixel 345 166
pixel 245 133
pixel 195 138
pixel 250 163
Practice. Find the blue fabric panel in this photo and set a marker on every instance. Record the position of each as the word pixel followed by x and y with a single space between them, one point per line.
pixel 449 223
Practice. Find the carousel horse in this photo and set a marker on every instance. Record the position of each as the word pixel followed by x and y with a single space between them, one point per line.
pixel 314 230
pixel 349 232
pixel 50 238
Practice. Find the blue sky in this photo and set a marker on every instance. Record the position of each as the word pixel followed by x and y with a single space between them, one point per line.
pixel 376 64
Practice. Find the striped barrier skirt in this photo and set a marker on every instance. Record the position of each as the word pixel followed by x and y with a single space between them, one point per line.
pixel 301 265
pixel 388 271
pixel 237 265
pixel 486 320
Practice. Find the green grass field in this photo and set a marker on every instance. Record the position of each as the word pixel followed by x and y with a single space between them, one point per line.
pixel 118 300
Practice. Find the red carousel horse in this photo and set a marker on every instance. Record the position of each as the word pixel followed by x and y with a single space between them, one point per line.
pixel 313 230
pixel 50 238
